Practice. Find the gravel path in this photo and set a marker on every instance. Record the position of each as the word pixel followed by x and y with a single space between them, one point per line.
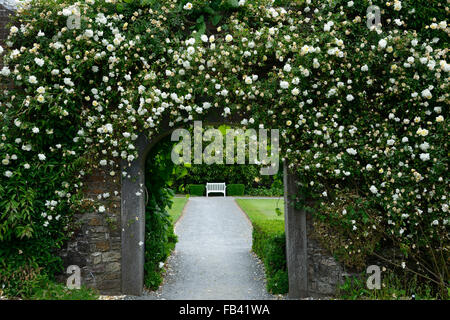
pixel 213 258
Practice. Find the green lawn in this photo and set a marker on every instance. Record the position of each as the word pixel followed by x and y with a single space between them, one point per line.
pixel 177 208
pixel 263 213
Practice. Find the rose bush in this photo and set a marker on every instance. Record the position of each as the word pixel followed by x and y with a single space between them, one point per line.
pixel 362 111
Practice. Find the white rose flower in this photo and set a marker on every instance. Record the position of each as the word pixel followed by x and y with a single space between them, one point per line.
pixel 190 50
pixel 32 80
pixel 5 71
pixel 382 43
pixel 424 146
pixel 422 132
pixel 284 84
pixel 424 156
pixel 39 62
pixel 426 94
pixel 351 151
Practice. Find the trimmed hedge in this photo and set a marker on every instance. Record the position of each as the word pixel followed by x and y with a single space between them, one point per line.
pixel 270 246
pixel 197 189
pixel 235 190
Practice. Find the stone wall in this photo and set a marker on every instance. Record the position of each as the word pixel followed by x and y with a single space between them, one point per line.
pixel 4 19
pixel 325 274
pixel 96 243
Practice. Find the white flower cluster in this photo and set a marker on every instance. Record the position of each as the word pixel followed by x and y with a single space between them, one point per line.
pixel 367 108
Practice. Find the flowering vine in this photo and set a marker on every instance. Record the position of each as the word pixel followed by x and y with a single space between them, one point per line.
pixel 362 111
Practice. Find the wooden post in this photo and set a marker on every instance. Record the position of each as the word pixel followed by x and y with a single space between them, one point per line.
pixel 133 221
pixel 296 239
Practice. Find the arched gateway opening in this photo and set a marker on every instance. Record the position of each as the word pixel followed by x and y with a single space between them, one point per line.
pixel 304 279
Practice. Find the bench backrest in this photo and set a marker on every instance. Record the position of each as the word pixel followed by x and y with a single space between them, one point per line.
pixel 215 186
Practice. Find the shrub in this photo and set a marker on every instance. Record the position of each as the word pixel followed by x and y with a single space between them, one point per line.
pixel 269 243
pixel 264 192
pixel 278 283
pixel 57 291
pixel 235 189
pixel 197 189
pixel 20 280
pixel 395 285
pixel 30 281
pixel 160 238
pixel 230 174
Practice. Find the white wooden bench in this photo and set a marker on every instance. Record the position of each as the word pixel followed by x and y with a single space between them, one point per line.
pixel 216 187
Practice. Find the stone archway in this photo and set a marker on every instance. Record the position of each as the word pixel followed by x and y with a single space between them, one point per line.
pixel 310 272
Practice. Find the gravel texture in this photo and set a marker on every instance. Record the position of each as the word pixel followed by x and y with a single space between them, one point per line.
pixel 213 258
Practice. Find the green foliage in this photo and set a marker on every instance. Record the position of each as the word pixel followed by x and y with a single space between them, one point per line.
pixel 269 241
pixel 235 189
pixel 393 287
pixel 351 231
pixel 197 189
pixel 247 174
pixel 270 246
pixel 29 281
pixel 230 174
pixel 57 291
pixel 160 238
pixel 264 192
pixel 20 280
pixel 278 283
